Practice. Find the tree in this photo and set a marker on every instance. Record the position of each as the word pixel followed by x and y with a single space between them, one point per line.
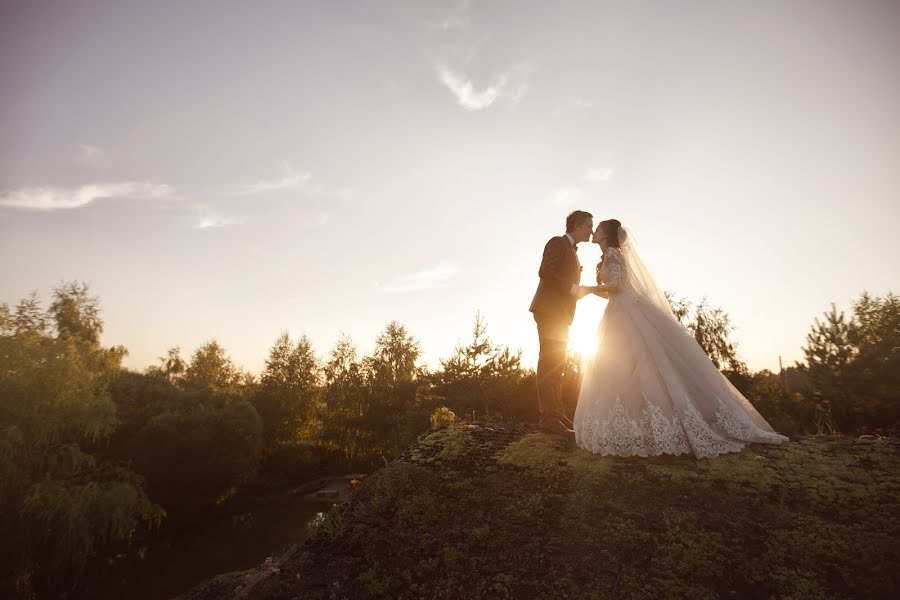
pixel 396 354
pixel 853 365
pixel 876 367
pixel 76 313
pixel 289 390
pixel 828 353
pixel 59 503
pixel 391 373
pixel 172 367
pixel 712 329
pixel 393 378
pixel 481 375
pixel 211 369
pixel 199 452
pixel 345 397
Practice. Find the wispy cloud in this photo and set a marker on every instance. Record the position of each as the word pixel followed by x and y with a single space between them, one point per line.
pixel 427 279
pixel 206 218
pixel 598 174
pixel 567 196
pixel 290 179
pixel 57 198
pixel 463 89
pixel 92 156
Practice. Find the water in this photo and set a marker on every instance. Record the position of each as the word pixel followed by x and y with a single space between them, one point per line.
pixel 175 563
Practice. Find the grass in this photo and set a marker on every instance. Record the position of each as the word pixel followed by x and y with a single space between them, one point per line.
pixel 502 512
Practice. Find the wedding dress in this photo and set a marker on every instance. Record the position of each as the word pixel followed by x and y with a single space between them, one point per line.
pixel 650 389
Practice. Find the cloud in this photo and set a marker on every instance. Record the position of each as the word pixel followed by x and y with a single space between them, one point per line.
pixel 209 219
pixel 567 196
pixel 92 156
pixel 289 180
pixel 464 89
pixel 427 279
pixel 56 198
pixel 292 180
pixel 598 174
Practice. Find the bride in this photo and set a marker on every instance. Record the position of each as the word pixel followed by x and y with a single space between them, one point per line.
pixel 650 389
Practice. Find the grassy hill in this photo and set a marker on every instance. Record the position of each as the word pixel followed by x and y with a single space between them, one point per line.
pixel 499 511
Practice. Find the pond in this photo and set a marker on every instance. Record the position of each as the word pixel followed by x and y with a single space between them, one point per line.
pixel 177 561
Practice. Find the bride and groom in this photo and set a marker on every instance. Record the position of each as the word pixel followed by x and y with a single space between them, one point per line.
pixel 649 388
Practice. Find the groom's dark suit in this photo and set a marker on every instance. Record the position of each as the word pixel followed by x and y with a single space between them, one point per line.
pixel 554 308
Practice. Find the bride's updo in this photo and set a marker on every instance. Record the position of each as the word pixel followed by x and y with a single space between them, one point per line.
pixel 611 229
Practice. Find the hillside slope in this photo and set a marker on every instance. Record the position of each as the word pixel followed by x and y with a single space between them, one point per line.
pixel 499 511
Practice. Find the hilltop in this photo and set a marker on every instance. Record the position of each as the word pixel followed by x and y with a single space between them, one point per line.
pixel 500 511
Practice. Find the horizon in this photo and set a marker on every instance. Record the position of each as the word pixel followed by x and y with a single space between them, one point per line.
pixel 230 173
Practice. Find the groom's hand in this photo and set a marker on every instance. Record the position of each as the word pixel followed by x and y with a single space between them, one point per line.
pixel 583 291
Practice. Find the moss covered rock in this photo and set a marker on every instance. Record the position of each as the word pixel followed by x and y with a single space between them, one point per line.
pixel 500 511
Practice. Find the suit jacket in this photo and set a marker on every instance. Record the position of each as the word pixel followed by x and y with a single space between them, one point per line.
pixel 559 272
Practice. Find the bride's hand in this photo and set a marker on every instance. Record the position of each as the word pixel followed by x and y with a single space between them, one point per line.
pixel 600 292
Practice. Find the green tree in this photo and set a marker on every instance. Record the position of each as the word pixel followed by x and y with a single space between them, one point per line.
pixel 199 452
pixel 828 353
pixel 853 364
pixel 211 369
pixel 393 378
pixel 481 376
pixel 59 503
pixel 876 366
pixel 172 367
pixel 712 328
pixel 287 399
pixel 345 397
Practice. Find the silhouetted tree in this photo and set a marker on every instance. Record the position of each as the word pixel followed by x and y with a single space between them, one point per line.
pixel 853 365
pixel 287 399
pixel 481 376
pixel 60 503
pixel 211 369
pixel 712 329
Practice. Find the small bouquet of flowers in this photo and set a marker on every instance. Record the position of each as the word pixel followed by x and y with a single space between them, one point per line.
pixel 442 417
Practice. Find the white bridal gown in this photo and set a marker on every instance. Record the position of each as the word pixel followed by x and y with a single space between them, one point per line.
pixel 650 389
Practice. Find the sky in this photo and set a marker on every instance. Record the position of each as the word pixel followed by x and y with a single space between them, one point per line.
pixel 232 170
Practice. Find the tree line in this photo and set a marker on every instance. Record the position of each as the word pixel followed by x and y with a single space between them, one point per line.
pixel 93 455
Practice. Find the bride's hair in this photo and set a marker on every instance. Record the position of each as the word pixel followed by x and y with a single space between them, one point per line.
pixel 610 228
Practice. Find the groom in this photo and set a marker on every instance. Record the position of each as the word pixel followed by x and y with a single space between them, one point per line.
pixel 554 308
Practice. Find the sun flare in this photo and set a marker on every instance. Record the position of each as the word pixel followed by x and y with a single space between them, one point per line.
pixel 583 333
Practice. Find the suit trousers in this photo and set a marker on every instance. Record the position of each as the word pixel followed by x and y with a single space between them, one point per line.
pixel 553 335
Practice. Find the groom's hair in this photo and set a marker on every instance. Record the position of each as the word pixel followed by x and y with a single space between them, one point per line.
pixel 576 218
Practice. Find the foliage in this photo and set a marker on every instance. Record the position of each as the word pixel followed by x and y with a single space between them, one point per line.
pixel 210 369
pixel 712 328
pixel 287 400
pixel 59 503
pixel 482 377
pixel 197 453
pixel 372 406
pixel 81 437
pixel 853 365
